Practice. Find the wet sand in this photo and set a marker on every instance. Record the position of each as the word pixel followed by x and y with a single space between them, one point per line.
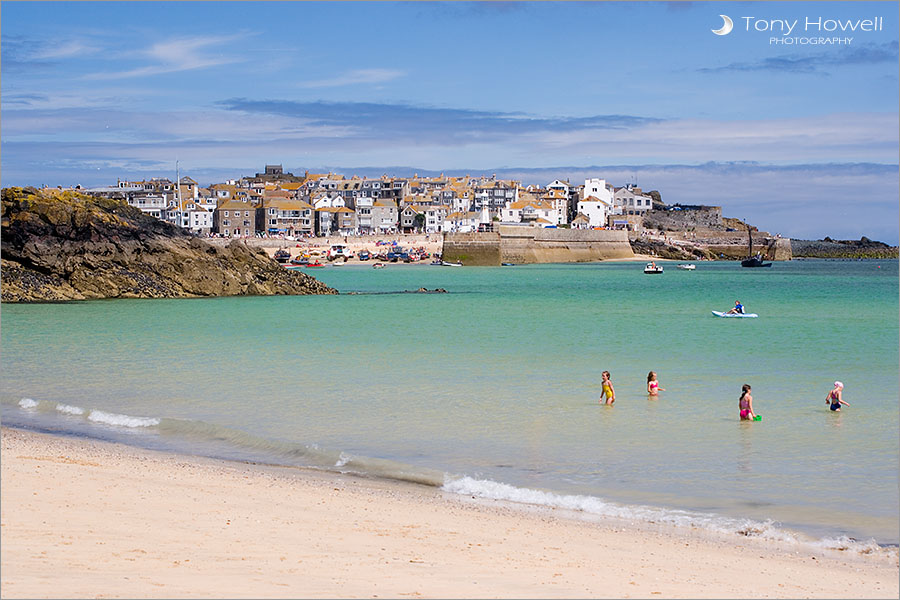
pixel 89 519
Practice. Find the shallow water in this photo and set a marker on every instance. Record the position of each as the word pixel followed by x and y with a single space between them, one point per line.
pixel 493 388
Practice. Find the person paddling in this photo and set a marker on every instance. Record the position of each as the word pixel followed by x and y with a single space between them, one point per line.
pixel 737 310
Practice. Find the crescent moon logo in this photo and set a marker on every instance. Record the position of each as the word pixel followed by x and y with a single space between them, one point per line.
pixel 727 26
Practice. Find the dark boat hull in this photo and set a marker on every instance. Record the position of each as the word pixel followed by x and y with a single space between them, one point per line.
pixel 754 262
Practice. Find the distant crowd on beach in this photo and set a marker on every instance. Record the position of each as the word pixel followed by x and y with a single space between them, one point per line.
pixel 834 398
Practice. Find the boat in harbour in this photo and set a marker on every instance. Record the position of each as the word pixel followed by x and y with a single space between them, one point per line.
pixel 687 267
pixel 653 269
pixel 282 255
pixel 753 260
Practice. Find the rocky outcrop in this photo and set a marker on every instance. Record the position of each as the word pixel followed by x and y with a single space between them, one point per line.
pixel 653 247
pixel 829 248
pixel 67 246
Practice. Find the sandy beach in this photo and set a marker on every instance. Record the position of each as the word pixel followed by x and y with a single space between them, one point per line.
pixel 318 247
pixel 88 519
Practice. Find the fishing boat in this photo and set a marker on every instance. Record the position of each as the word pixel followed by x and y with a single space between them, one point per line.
pixel 444 263
pixel 314 265
pixel 282 255
pixel 378 265
pixel 653 269
pixel 751 260
pixel 687 267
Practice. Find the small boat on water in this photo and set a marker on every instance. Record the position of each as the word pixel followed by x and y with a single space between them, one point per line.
pixel 314 265
pixel 729 315
pixel 687 267
pixel 444 263
pixel 435 263
pixel 378 266
pixel 753 261
pixel 653 269
pixel 282 256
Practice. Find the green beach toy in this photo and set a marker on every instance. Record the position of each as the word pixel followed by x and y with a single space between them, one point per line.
pixel 757 418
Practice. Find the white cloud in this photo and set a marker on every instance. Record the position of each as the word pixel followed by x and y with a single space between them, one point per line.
pixel 65 49
pixel 176 55
pixel 357 77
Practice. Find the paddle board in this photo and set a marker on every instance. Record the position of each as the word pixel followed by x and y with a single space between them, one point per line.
pixel 727 315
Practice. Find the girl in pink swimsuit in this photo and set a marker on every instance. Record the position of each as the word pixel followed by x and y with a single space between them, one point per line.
pixel 745 403
pixel 653 385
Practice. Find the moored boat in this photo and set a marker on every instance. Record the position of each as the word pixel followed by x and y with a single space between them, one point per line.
pixel 753 261
pixel 653 269
pixel 687 267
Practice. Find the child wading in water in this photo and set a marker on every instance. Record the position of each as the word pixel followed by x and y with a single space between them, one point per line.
pixel 834 397
pixel 653 385
pixel 608 389
pixel 745 404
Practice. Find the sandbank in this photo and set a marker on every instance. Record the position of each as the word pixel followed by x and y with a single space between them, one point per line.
pixel 88 519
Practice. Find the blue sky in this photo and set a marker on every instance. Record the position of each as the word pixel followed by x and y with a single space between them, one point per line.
pixel 798 138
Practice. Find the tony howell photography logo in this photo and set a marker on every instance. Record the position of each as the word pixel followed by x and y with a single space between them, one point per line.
pixel 803 31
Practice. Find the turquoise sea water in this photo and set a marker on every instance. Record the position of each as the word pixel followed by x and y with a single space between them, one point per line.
pixel 492 389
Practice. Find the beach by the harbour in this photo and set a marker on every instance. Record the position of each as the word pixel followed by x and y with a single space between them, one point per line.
pixel 85 519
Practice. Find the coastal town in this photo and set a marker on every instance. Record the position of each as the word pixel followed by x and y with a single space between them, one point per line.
pixel 276 203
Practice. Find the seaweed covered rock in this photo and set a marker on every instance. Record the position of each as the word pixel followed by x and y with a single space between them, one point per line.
pixel 62 245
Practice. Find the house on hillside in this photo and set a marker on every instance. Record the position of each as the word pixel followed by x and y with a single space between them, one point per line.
pixel 629 200
pixel 595 210
pixel 283 215
pixel 235 218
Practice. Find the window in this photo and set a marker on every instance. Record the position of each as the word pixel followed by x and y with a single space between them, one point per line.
pixel 226 213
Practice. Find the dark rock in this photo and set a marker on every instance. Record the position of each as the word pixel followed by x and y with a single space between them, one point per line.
pixel 68 246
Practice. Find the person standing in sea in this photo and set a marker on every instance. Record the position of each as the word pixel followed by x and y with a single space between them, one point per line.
pixel 608 390
pixel 745 404
pixel 653 384
pixel 834 397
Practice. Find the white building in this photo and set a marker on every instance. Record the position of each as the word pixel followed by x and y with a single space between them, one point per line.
pixel 461 222
pixel 532 211
pixel 596 210
pixel 189 215
pixel 599 189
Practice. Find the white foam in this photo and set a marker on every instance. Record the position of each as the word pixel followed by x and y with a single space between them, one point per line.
pixel 28 403
pixel 594 505
pixel 342 460
pixel 845 543
pixel 99 416
pixel 69 410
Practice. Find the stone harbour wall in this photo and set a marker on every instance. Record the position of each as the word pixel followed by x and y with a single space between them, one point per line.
pixel 526 245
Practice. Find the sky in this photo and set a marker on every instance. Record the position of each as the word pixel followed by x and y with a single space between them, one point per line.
pixel 780 122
